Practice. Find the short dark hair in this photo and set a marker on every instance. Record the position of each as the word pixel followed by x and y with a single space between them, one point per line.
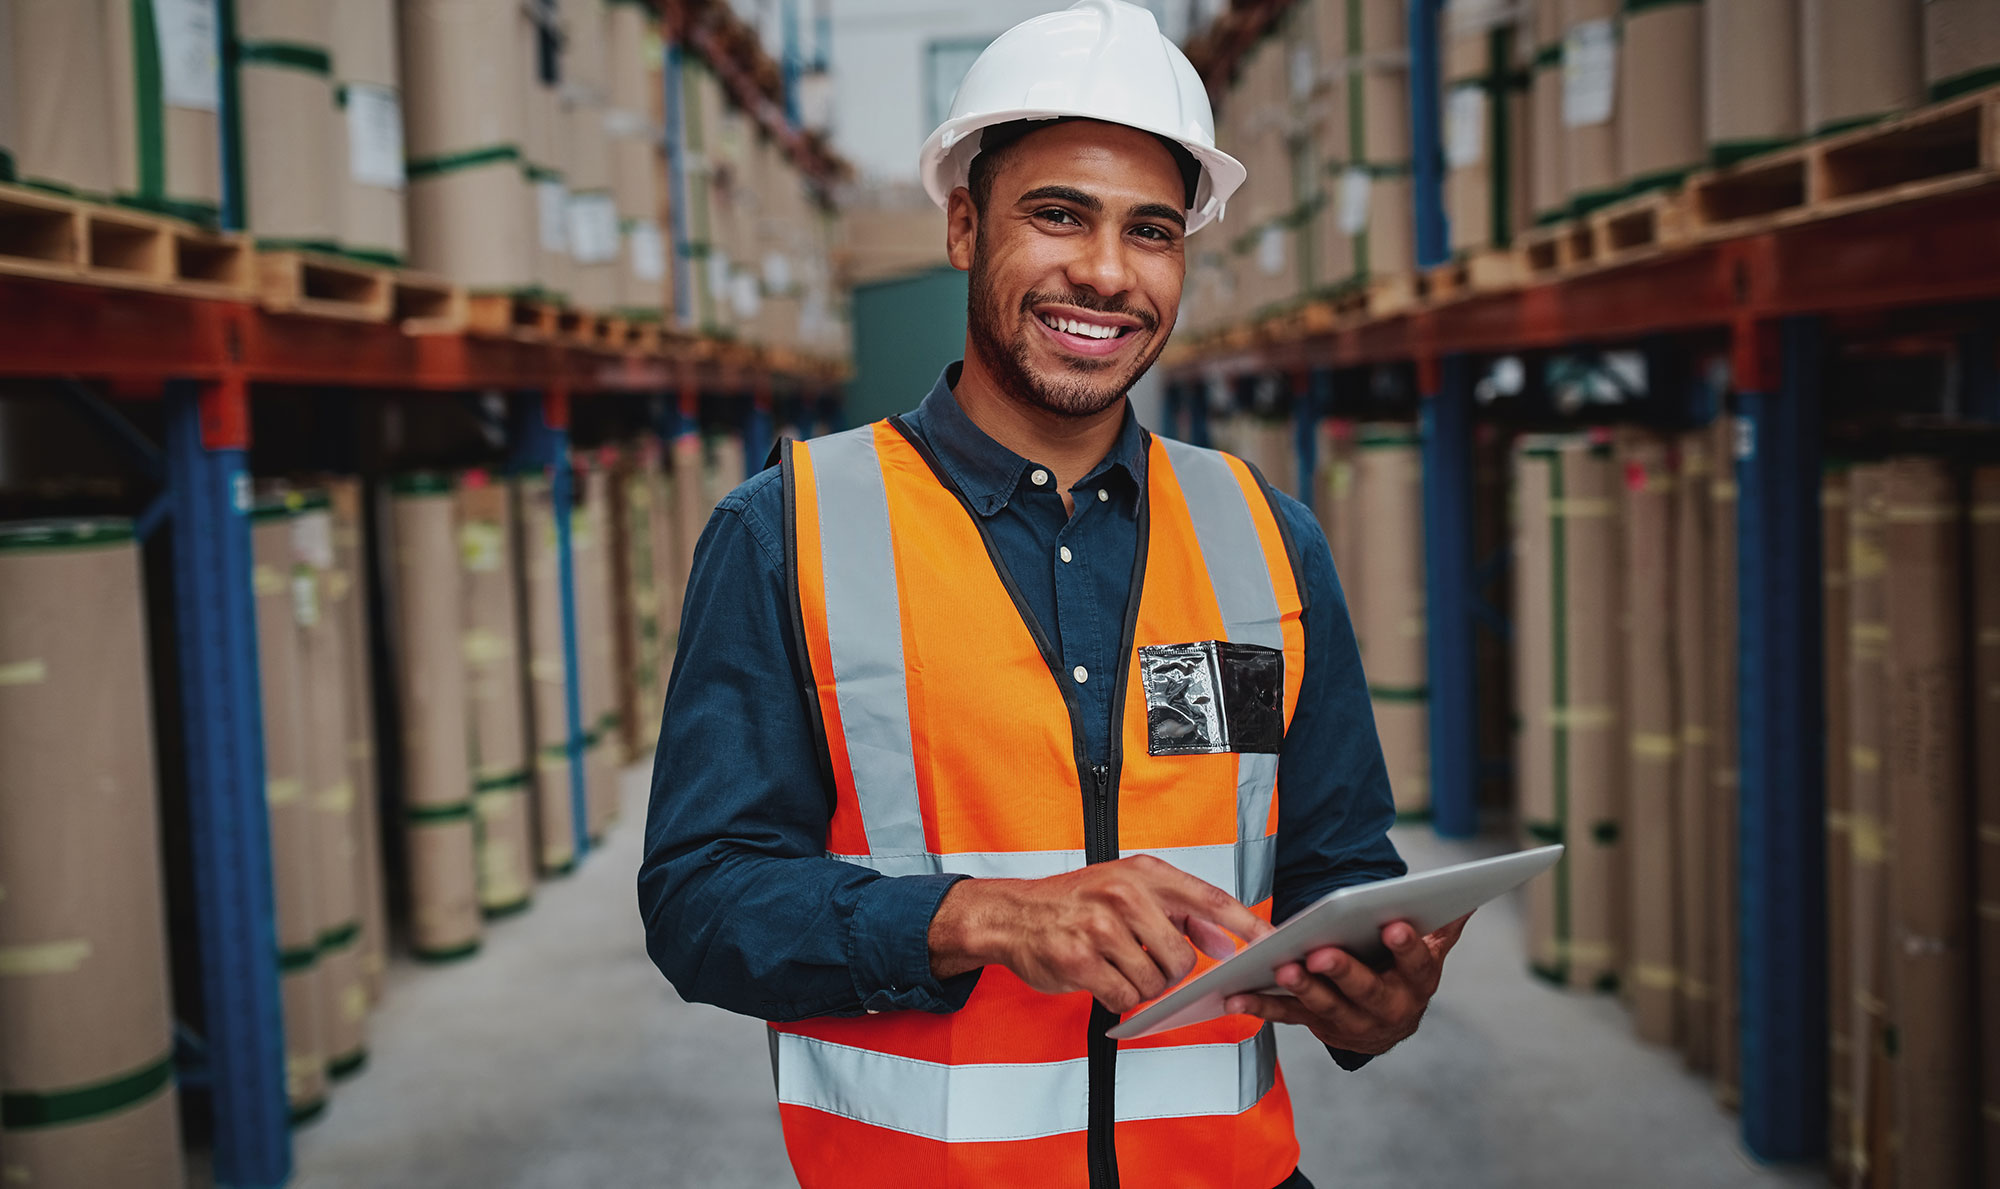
pixel 997 143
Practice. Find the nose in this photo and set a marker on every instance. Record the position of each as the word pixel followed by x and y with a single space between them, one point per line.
pixel 1100 263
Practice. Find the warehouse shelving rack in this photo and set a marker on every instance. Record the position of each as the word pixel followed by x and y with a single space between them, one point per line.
pixel 203 349
pixel 1768 295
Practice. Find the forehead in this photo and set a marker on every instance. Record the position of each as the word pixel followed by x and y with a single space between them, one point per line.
pixel 1109 160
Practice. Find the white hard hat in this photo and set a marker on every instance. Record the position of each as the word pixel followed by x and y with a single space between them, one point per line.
pixel 1096 60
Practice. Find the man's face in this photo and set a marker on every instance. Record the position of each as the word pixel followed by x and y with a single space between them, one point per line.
pixel 1076 263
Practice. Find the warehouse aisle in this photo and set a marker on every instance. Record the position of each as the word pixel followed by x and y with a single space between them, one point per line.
pixel 559 1059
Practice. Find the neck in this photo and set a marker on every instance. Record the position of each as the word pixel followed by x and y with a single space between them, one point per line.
pixel 1068 446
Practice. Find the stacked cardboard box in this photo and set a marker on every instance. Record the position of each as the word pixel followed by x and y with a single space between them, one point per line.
pixel 86 997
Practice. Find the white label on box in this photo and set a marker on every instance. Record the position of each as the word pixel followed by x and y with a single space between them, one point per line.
pixel 1271 249
pixel 190 71
pixel 718 276
pixel 1303 74
pixel 649 251
pixel 1465 126
pixel 743 296
pixel 479 546
pixel 1590 73
pixel 312 539
pixel 552 215
pixel 375 135
pixel 777 272
pixel 593 228
pixel 1354 186
pixel 305 596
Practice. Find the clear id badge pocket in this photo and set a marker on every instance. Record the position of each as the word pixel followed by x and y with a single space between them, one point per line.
pixel 1213 696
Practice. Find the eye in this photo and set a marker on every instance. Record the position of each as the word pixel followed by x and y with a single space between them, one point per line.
pixel 1154 232
pixel 1058 216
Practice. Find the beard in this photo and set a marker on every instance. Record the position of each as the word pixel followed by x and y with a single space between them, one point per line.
pixel 1085 387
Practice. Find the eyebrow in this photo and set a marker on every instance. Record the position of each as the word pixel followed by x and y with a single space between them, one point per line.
pixel 1091 203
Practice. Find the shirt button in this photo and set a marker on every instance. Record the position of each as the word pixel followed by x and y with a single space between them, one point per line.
pixel 1102 495
pixel 1065 552
pixel 1081 674
pixel 1039 478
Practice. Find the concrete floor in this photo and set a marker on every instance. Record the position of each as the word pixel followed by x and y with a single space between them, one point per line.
pixel 560 1059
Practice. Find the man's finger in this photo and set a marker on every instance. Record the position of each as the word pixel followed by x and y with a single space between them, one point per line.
pixel 1137 967
pixel 1322 999
pixel 1363 988
pixel 1189 897
pixel 1165 945
pixel 1442 941
pixel 1275 1008
pixel 1415 961
pixel 1109 986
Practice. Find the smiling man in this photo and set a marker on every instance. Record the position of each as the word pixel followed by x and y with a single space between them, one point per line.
pixel 986 718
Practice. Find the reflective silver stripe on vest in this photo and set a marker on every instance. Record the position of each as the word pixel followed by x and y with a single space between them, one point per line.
pixel 864 631
pixel 1218 864
pixel 988 1103
pixel 1241 578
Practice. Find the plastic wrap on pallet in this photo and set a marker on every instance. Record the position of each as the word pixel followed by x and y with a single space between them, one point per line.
pixel 289 123
pixel 59 70
pixel 430 677
pixel 294 870
pixel 329 790
pixel 369 145
pixel 542 654
pixel 1839 806
pixel 1930 882
pixel 1961 48
pixel 346 599
pixel 1985 561
pixel 1591 63
pixel 1661 134
pixel 85 997
pixel 499 741
pixel 1653 749
pixel 1388 604
pixel 164 105
pixel 1694 641
pixel 1751 91
pixel 1860 60
pixel 471 217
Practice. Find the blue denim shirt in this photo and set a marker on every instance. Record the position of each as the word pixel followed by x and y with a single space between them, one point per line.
pixel 743 909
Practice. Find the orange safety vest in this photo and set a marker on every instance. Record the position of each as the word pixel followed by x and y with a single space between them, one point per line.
pixel 953 746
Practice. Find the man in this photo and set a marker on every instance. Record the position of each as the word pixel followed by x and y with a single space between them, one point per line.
pixel 985 717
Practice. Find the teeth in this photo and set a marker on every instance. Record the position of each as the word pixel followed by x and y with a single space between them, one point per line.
pixel 1087 330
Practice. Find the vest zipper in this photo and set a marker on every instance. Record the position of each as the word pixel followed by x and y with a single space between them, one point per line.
pixel 1100 846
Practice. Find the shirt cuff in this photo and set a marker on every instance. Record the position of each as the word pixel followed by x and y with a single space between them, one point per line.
pixel 889 951
pixel 1349 1061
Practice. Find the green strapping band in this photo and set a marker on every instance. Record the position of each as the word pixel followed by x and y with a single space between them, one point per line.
pixel 1400 695
pixel 494 912
pixel 7 168
pixel 1836 127
pixel 348 1066
pixel 1557 974
pixel 426 167
pixel 1728 152
pixel 422 483
pixel 1549 57
pixel 340 937
pixel 1411 817
pixel 1499 188
pixel 541 173
pixel 498 781
pixel 306 1112
pixel 1384 439
pixel 298 959
pixel 149 100
pixel 324 247
pixel 1544 832
pixel 1661 179
pixel 1633 7
pixel 448 954
pixel 1590 200
pixel 376 257
pixel 1604 833
pixel 433 815
pixel 1960 84
pixel 21 1110
pixel 63 534
pixel 287 55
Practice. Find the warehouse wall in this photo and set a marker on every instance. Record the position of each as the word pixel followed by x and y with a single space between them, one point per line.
pixel 905 331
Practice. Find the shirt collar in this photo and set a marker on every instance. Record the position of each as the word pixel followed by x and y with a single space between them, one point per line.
pixel 989 474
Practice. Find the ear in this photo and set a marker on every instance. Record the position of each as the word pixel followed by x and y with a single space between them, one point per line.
pixel 961 229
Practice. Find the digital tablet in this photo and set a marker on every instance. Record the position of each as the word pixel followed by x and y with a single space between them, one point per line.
pixel 1351 918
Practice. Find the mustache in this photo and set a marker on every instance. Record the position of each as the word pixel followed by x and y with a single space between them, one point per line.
pixel 1084 299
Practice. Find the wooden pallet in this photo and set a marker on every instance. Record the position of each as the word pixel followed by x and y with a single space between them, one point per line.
pixel 508 315
pixel 424 304
pixel 50 235
pixel 1933 151
pixel 1621 233
pixel 1488 270
pixel 316 286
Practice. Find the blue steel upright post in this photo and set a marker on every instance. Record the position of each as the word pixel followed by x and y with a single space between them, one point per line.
pixel 1782 836
pixel 1450 595
pixel 1426 137
pixel 207 434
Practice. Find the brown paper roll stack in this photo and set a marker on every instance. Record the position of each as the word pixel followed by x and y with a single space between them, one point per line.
pixel 373 220
pixel 346 599
pixel 1548 178
pixel 295 865
pixel 493 680
pixel 1661 134
pixel 669 579
pixel 1652 757
pixel 1722 751
pixel 290 123
pixel 1334 497
pixel 589 539
pixel 86 1030
pixel 1985 515
pixel 60 94
pixel 1544 794
pixel 178 171
pixel 1751 96
pixel 1388 605
pixel 1694 643
pixel 547 155
pixel 1930 883
pixel 1860 59
pixel 555 822
pixel 1592 62
pixel 633 64
pixel 1961 48
pixel 430 676
pixel 1869 1011
pixel 329 791
pixel 1839 802
pixel 638 604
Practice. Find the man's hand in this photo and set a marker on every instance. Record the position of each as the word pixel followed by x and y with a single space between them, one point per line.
pixel 1119 930
pixel 1351 1007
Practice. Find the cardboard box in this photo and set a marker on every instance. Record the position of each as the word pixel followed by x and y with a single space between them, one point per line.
pixel 1930 886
